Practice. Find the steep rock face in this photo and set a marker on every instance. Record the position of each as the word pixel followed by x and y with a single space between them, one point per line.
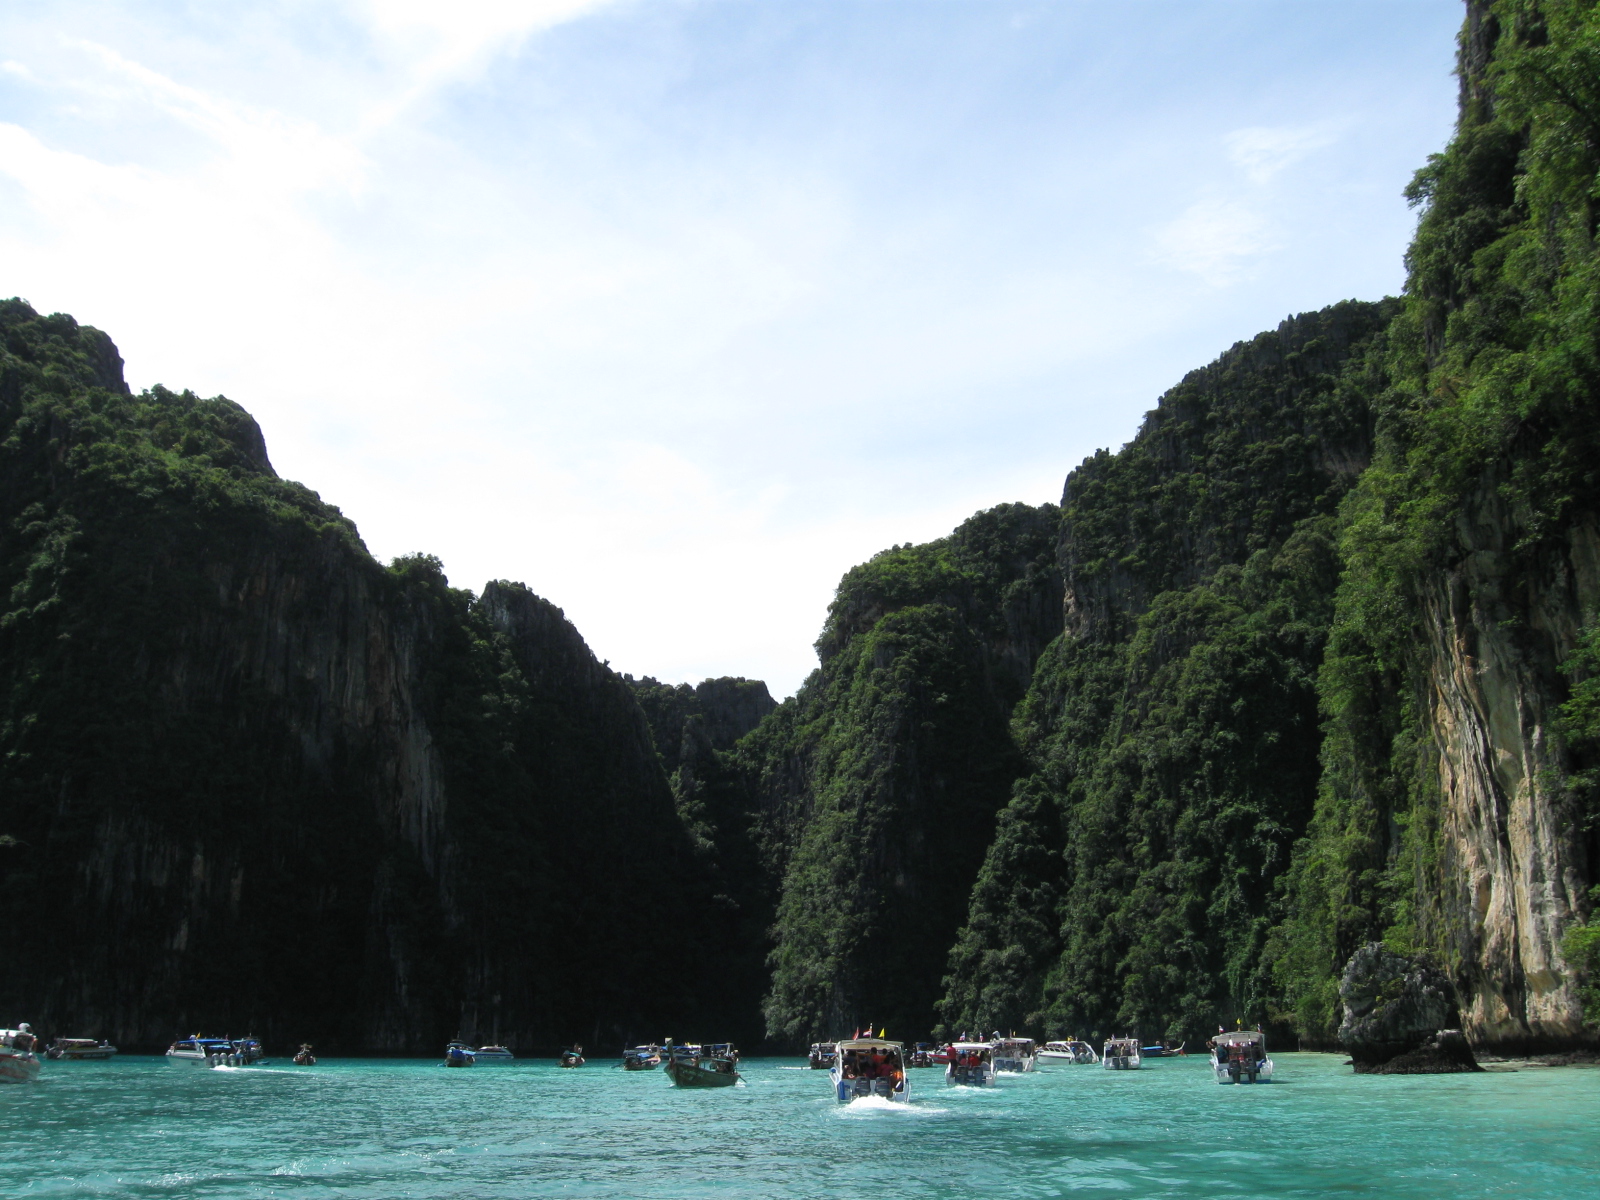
pixel 1172 728
pixel 1512 851
pixel 876 786
pixel 1456 814
pixel 251 779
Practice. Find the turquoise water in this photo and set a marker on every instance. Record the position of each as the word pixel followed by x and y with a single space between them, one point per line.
pixel 137 1127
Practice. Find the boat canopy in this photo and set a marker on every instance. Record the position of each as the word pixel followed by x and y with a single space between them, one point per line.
pixel 869 1044
pixel 1239 1037
pixel 971 1046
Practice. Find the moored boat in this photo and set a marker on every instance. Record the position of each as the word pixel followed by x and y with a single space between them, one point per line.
pixel 971 1064
pixel 303 1056
pixel 80 1050
pixel 1121 1054
pixel 1074 1050
pixel 641 1058
pixel 707 1066
pixel 18 1061
pixel 493 1056
pixel 572 1057
pixel 459 1054
pixel 922 1055
pixel 1240 1057
pixel 823 1055
pixel 1015 1055
pixel 1164 1050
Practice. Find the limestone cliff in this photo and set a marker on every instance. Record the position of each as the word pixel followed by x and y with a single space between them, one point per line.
pixel 252 779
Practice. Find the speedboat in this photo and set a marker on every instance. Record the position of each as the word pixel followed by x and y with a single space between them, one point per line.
pixel 1121 1054
pixel 822 1055
pixel 572 1058
pixel 493 1056
pixel 702 1066
pixel 303 1056
pixel 971 1064
pixel 922 1054
pixel 870 1067
pixel 18 1062
pixel 1074 1051
pixel 641 1058
pixel 1015 1055
pixel 1240 1057
pixel 200 1051
pixel 80 1050
pixel 459 1054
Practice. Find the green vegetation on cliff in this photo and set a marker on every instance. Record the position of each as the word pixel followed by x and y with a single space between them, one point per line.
pixel 1172 728
pixel 1471 521
pixel 251 778
pixel 878 783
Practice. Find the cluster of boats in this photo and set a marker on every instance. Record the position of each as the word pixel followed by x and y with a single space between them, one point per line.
pixel 859 1067
pixel 862 1067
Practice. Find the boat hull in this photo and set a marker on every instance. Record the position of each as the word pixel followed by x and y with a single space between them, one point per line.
pixel 18 1068
pixel 1121 1062
pixel 96 1055
pixel 688 1075
pixel 846 1090
pixel 1234 1072
pixel 493 1060
pixel 980 1076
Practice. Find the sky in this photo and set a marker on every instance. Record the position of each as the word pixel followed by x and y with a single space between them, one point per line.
pixel 675 310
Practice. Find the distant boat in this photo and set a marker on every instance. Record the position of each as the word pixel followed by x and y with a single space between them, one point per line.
pixel 707 1066
pixel 572 1058
pixel 1162 1051
pixel 80 1050
pixel 923 1055
pixel 459 1054
pixel 971 1064
pixel 641 1058
pixel 1240 1057
pixel 823 1055
pixel 18 1062
pixel 200 1051
pixel 303 1056
pixel 870 1067
pixel 1015 1055
pixel 1121 1054
pixel 1073 1051
pixel 493 1056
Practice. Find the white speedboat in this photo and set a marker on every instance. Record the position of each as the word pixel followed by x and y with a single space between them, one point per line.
pixel 1240 1057
pixel 18 1062
pixel 971 1064
pixel 1121 1054
pixel 822 1056
pixel 200 1051
pixel 870 1067
pixel 1073 1051
pixel 493 1056
pixel 1015 1056
pixel 80 1050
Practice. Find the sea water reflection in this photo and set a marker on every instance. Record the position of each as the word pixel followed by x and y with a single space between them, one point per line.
pixel 388 1129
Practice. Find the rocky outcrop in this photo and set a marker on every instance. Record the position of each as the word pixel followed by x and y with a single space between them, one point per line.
pixel 1392 1005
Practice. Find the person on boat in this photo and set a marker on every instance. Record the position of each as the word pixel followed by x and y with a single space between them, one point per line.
pixel 23 1040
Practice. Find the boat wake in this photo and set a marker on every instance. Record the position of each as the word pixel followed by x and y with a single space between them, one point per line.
pixel 865 1105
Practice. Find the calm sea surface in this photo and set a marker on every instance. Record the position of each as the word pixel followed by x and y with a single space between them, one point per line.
pixel 137 1127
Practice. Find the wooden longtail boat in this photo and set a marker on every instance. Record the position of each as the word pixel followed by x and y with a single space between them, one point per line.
pixel 717 1068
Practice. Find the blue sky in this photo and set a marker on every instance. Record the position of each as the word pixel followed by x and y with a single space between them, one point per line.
pixel 675 311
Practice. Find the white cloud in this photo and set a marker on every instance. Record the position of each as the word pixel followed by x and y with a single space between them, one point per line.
pixel 1264 151
pixel 1217 240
